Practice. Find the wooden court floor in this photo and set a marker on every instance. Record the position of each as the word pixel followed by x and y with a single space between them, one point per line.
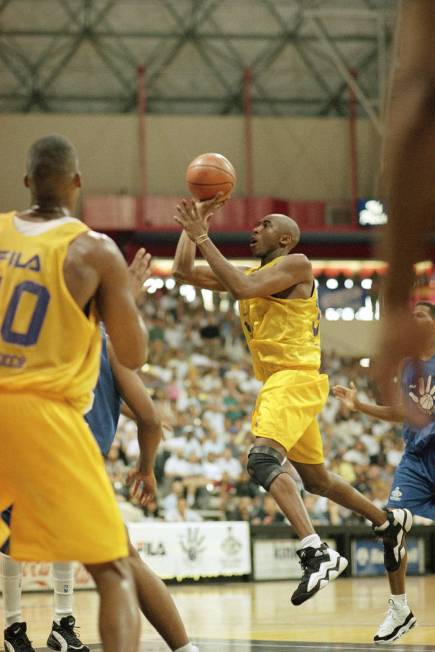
pixel 258 617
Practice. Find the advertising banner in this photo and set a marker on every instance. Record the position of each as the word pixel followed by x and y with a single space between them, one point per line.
pixel 368 557
pixel 172 550
pixel 276 559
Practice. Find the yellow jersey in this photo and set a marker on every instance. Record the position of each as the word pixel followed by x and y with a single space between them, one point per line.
pixel 281 333
pixel 48 346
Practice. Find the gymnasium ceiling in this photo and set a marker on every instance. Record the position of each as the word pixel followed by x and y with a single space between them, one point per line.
pixel 83 55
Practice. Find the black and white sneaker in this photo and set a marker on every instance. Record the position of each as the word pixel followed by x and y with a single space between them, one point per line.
pixel 64 638
pixel 320 566
pixel 398 621
pixel 393 537
pixel 16 638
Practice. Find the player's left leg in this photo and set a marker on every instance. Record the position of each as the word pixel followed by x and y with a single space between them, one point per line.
pixel 157 605
pixel 391 527
pixel 399 618
pixel 413 487
pixel 63 635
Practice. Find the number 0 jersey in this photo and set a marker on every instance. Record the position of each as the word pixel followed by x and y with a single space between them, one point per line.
pixel 281 333
pixel 48 345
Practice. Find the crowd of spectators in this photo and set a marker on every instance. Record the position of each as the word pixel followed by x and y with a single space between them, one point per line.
pixel 200 378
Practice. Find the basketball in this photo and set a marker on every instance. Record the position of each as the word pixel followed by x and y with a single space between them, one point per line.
pixel 209 174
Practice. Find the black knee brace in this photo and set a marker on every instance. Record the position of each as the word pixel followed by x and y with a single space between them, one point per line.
pixel 264 465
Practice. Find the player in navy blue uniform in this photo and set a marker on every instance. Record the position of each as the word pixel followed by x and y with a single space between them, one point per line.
pixel 115 383
pixel 413 486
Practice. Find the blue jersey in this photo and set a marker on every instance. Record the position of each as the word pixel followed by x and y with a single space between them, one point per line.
pixel 418 388
pixel 103 417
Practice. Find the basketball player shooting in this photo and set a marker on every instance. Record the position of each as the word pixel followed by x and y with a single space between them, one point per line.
pixel 280 319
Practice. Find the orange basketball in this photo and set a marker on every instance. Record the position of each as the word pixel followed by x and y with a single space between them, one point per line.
pixel 209 174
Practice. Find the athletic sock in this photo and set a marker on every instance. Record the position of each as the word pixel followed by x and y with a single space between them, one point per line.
pixel 63 584
pixel 10 574
pixel 399 600
pixel 381 528
pixel 187 648
pixel 311 541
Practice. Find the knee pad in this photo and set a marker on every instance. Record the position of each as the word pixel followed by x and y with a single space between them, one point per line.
pixel 264 465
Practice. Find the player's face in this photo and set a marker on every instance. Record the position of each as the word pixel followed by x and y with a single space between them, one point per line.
pixel 423 315
pixel 265 237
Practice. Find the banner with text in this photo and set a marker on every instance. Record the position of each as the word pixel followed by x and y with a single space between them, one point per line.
pixel 172 550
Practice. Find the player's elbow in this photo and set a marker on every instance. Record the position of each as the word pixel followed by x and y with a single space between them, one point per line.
pixel 151 424
pixel 134 353
pixel 245 291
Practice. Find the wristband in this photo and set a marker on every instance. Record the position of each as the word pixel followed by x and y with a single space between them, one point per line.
pixel 201 238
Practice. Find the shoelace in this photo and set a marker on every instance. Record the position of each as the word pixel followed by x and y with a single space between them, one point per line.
pixel 72 630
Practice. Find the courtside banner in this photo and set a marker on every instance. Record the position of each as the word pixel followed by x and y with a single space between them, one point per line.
pixel 172 550
pixel 276 559
pixel 368 557
pixel 178 550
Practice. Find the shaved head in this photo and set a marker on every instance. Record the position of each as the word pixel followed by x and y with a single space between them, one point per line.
pixel 286 226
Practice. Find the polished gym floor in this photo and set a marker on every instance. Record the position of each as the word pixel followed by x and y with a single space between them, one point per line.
pixel 258 617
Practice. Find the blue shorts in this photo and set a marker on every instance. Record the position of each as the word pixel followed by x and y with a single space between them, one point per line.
pixel 414 483
pixel 6 517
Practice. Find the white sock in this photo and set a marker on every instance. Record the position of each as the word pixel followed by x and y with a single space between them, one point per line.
pixel 187 648
pixel 63 584
pixel 400 600
pixel 380 528
pixel 311 541
pixel 10 575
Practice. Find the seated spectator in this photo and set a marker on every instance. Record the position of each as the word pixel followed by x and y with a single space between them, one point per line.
pixel 177 491
pixel 211 469
pixel 240 509
pixel 230 465
pixel 268 514
pixel 182 513
pixel 176 465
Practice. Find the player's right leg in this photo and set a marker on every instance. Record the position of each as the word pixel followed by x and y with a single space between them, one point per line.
pixel 288 402
pixel 15 633
pixel 157 605
pixel 320 563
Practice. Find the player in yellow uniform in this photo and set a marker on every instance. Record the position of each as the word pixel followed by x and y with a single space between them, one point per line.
pixel 54 275
pixel 280 319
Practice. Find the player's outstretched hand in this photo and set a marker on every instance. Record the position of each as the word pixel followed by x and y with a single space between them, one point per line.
pixel 142 485
pixel 347 395
pixel 140 271
pixel 401 337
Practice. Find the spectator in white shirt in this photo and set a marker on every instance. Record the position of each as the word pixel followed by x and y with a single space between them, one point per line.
pixel 211 469
pixel 182 513
pixel 230 465
pixel 176 465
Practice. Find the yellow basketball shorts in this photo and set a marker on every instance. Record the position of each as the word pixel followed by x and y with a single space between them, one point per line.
pixel 286 411
pixel 53 474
